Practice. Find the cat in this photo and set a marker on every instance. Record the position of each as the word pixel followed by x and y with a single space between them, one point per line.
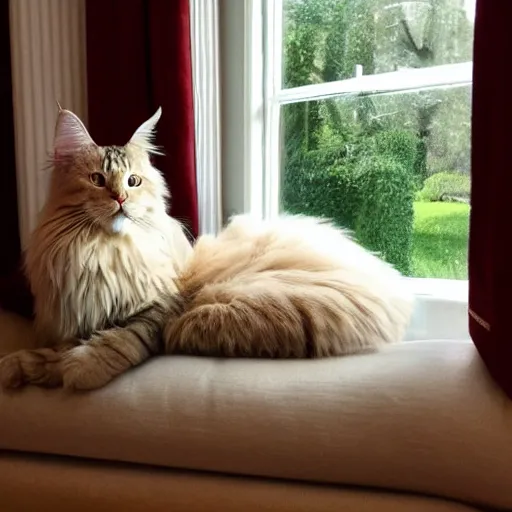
pixel 116 281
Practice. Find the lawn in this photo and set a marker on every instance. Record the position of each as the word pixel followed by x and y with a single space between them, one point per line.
pixel 440 242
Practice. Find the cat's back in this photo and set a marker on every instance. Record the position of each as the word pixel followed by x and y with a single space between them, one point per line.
pixel 289 242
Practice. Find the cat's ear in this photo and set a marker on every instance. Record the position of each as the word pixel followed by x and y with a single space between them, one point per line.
pixel 70 134
pixel 145 134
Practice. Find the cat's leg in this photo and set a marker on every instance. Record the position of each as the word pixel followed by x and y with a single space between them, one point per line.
pixel 41 366
pixel 109 353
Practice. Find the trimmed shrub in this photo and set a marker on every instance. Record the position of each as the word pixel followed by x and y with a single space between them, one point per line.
pixel 367 187
pixel 386 215
pixel 321 184
pixel 445 185
pixel 401 145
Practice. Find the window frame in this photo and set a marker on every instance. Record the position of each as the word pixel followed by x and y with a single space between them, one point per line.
pixel 256 140
pixel 205 54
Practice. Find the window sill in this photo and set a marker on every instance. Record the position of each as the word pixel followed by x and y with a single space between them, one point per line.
pixel 441 289
pixel 441 310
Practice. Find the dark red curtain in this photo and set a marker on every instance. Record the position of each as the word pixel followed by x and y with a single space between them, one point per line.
pixel 14 294
pixel 138 58
pixel 10 253
pixel 490 255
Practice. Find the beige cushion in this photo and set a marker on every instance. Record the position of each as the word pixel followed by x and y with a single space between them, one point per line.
pixel 15 332
pixel 68 485
pixel 420 416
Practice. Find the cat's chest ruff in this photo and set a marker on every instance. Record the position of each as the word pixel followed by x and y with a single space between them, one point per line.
pixel 125 258
pixel 101 281
pixel 115 276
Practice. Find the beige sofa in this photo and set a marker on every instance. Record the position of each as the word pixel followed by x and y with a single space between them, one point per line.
pixel 417 426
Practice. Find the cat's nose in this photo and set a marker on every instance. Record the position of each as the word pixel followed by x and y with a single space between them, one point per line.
pixel 119 199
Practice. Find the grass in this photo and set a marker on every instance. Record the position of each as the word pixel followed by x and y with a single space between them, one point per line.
pixel 440 241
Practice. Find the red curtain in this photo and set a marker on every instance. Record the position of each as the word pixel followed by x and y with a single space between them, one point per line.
pixel 490 258
pixel 138 58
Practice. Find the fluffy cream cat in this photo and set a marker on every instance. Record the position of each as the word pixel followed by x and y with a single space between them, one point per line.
pixel 116 281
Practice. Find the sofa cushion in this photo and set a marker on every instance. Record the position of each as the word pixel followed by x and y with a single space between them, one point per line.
pixel 75 485
pixel 15 294
pixel 419 416
pixel 16 332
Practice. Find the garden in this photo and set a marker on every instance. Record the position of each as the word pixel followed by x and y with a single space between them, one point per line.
pixel 392 168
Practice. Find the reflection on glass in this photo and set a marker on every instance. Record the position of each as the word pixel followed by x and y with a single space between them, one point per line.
pixel 324 40
pixel 394 168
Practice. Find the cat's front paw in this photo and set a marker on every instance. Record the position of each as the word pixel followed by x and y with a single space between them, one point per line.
pixel 11 373
pixel 83 369
pixel 39 367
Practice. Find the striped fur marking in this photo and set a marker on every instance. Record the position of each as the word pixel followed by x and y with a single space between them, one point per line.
pixel 114 159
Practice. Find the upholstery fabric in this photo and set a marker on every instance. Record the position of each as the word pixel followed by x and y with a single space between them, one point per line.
pixel 15 294
pixel 80 486
pixel 419 416
pixel 16 333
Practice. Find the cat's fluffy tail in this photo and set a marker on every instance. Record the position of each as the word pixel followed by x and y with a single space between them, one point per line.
pixel 291 288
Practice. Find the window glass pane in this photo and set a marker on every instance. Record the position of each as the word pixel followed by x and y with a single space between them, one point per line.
pixel 324 40
pixel 393 168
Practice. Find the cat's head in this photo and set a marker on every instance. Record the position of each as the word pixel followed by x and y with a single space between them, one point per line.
pixel 107 186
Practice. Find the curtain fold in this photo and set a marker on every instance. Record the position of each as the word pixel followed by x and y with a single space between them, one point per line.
pixel 14 293
pixel 139 58
pixel 490 272
pixel 10 253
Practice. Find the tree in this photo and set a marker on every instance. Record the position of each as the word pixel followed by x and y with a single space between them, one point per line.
pixel 325 39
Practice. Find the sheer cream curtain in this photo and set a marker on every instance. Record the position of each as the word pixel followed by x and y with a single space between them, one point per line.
pixel 48 65
pixel 43 61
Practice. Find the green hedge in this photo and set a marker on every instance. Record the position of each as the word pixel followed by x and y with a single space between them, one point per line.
pixel 320 183
pixel 444 185
pixel 367 187
pixel 386 215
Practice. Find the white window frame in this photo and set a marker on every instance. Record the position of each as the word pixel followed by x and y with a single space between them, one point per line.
pixel 204 40
pixel 251 153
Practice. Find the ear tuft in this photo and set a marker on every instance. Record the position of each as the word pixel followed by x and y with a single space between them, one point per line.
pixel 144 135
pixel 70 134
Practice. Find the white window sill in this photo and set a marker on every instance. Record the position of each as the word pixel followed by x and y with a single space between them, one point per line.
pixel 441 310
pixel 442 289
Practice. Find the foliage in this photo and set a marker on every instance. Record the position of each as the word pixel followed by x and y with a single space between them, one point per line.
pixel 358 159
pixel 400 144
pixel 322 184
pixel 385 217
pixel 366 185
pixel 445 185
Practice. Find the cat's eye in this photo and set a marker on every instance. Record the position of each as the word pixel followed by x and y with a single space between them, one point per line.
pixel 134 180
pixel 98 179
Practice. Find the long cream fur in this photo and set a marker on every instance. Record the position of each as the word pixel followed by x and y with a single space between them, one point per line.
pixel 292 287
pixel 112 282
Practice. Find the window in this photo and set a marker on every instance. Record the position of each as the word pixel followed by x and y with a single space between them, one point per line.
pixel 368 123
pixel 357 110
